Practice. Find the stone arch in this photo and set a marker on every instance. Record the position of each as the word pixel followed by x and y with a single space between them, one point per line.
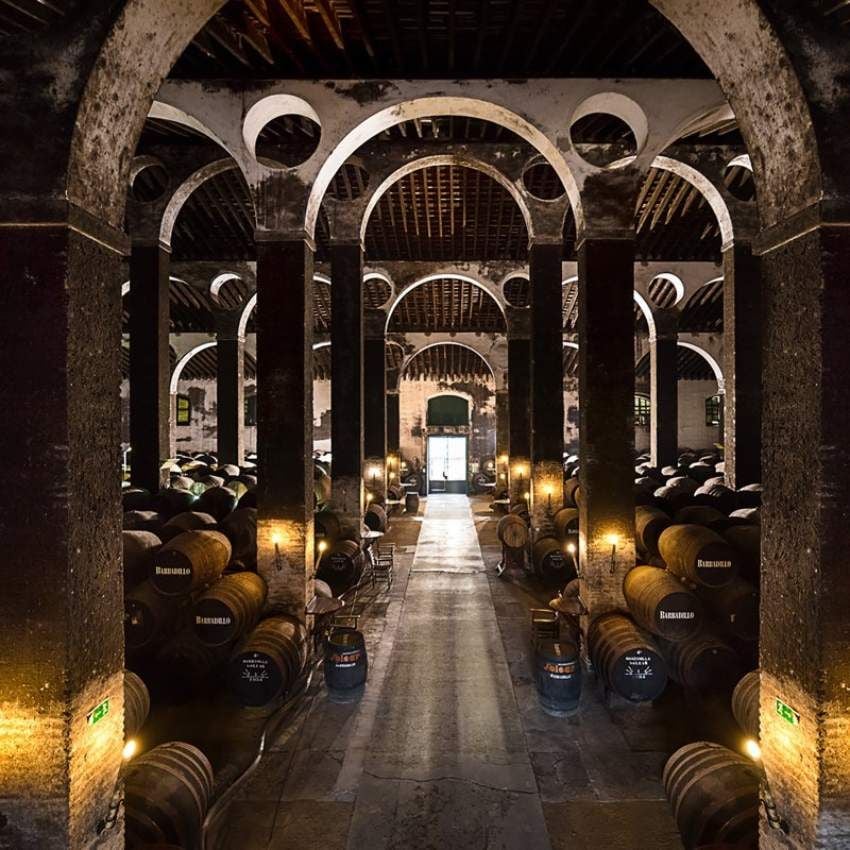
pixel 459 159
pixel 410 357
pixel 183 361
pixel 437 276
pixel 184 191
pixel 715 366
pixel 423 107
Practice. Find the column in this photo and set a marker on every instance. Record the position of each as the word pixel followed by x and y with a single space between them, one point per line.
pixel 393 423
pixel 285 492
pixel 62 643
pixel 347 382
pixel 664 390
pixel 150 405
pixel 374 405
pixel 230 388
pixel 519 404
pixel 547 381
pixel 502 438
pixel 606 388
pixel 742 355
pixel 805 642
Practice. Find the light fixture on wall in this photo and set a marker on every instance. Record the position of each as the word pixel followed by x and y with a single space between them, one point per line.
pixel 277 541
pixel 571 551
pixel 613 540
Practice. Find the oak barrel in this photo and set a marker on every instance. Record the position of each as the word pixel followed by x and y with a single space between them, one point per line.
pixel 512 531
pixel 190 561
pixel 229 608
pixel 698 555
pixel 137 703
pixel 745 703
pixel 661 604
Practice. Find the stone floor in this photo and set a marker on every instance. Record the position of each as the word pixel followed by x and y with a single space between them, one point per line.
pixel 448 747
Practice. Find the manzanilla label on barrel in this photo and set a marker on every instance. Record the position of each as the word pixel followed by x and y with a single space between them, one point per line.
pixel 255 669
pixel 172 571
pixel 638 666
pixel 713 565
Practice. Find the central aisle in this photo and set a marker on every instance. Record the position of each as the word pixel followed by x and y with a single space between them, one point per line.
pixel 446 765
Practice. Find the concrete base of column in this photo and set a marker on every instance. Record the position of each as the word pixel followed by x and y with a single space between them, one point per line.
pixel 547 496
pixel 348 504
pixel 285 559
pixel 519 489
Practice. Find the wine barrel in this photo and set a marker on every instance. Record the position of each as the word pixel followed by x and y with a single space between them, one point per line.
pixel 683 483
pixel 698 555
pixel 745 703
pixel 749 496
pixel 701 471
pixel 702 515
pixel 136 499
pixel 411 503
pixel 142 521
pixel 137 703
pixel 746 516
pixel 218 501
pixel 661 604
pixel 182 482
pixel 714 793
pixel 565 522
pixel 249 499
pixel 395 492
pixel 137 552
pixel 512 532
pixel 570 487
pixel 671 500
pixel 229 608
pixel 187 521
pixel 269 662
pixel 327 525
pixel 184 664
pixel 702 663
pixel 375 518
pixel 717 496
pixel 341 566
pixel 173 501
pixel 148 616
pixel 240 528
pixel 346 664
pixel 626 658
pixel 735 608
pixel 167 792
pixel 189 561
pixel 229 470
pixel 649 523
pixel 557 675
pixel 552 565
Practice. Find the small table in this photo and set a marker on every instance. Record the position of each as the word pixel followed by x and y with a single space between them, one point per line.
pixel 320 605
pixel 501 504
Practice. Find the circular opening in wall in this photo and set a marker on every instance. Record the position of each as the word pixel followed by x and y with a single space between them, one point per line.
pixel 377 291
pixel 287 141
pixel 150 183
pixel 665 290
pixel 349 183
pixel 542 181
pixel 603 139
pixel 517 291
pixel 738 179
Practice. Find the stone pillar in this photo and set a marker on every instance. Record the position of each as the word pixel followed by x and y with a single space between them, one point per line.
pixel 150 420
pixel 502 439
pixel 519 403
pixel 347 381
pixel 62 642
pixel 805 642
pixel 664 390
pixel 393 423
pixel 742 354
pixel 606 388
pixel 547 381
pixel 375 405
pixel 285 493
pixel 230 388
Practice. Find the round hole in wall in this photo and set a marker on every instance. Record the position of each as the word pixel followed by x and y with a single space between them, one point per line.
pixel 738 179
pixel 377 290
pixel 287 141
pixel 665 290
pixel 517 291
pixel 150 183
pixel 542 181
pixel 602 139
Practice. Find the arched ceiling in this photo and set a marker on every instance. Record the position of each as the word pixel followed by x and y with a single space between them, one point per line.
pixel 690 366
pixel 447 362
pixel 447 305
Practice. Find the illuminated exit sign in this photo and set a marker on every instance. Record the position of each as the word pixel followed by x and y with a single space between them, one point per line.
pixel 787 713
pixel 98 713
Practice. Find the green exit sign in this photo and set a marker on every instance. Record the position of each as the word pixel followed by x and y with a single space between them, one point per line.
pixel 787 713
pixel 98 713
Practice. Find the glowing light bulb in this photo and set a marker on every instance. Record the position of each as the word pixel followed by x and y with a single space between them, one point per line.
pixel 612 539
pixel 368 498
pixel 526 495
pixel 277 538
pixel 753 749
pixel 571 548
pixel 130 749
pixel 323 546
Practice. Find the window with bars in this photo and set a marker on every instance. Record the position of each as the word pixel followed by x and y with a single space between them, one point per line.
pixel 184 410
pixel 642 411
pixel 713 410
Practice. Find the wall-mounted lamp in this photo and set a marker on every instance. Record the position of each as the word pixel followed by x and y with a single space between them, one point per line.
pixel 369 498
pixel 774 821
pixel 130 749
pixel 571 551
pixel 527 496
pixel 277 540
pixel 548 491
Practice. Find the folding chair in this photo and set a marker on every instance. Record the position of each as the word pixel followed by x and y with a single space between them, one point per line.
pixel 383 563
